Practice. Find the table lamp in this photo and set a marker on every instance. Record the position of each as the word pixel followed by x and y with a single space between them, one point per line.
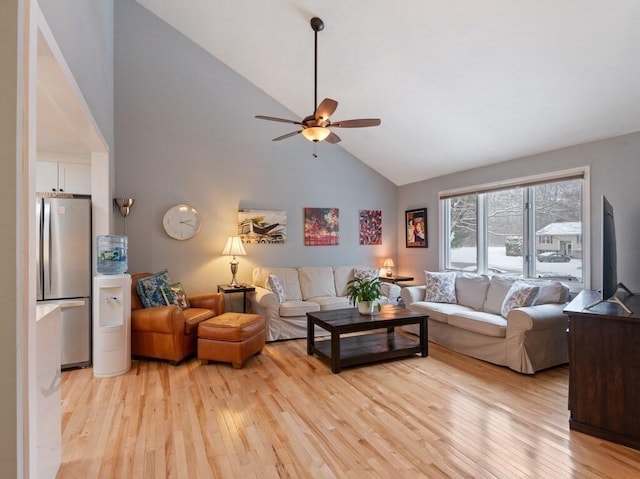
pixel 388 263
pixel 234 248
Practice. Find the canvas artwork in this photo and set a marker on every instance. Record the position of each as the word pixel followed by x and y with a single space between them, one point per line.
pixel 321 226
pixel 416 228
pixel 262 226
pixel 370 227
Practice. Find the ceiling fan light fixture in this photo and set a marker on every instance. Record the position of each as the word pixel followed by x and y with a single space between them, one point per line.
pixel 316 133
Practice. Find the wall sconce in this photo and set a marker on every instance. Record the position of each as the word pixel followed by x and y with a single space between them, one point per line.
pixel 388 263
pixel 234 248
pixel 124 206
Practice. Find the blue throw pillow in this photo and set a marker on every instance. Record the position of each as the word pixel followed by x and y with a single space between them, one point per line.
pixel 149 289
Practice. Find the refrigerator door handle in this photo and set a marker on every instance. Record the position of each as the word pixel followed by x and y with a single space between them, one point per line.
pixel 46 248
pixel 71 303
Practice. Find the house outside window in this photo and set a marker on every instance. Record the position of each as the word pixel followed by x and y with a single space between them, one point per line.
pixel 526 230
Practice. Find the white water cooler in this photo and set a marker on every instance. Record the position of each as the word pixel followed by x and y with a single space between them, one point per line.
pixel 111 325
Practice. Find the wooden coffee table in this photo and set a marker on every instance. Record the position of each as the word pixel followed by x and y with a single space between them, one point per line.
pixel 380 342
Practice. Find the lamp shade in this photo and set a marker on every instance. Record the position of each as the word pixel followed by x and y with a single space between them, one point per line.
pixel 388 263
pixel 234 247
pixel 316 133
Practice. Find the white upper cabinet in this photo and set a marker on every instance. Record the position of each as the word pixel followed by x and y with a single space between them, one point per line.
pixel 63 177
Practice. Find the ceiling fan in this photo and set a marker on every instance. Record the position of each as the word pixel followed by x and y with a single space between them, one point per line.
pixel 316 127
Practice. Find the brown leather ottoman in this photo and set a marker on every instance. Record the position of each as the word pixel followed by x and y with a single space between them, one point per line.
pixel 231 338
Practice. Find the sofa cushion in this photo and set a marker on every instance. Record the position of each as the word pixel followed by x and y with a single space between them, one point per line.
pixel 480 322
pixel 438 311
pixel 288 278
pixel 276 287
pixel 316 281
pixel 441 287
pixel 289 309
pixel 149 289
pixel 520 295
pixel 341 276
pixel 550 291
pixel 331 302
pixel 471 290
pixel 498 288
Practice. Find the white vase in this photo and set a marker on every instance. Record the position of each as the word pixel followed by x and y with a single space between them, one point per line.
pixel 366 307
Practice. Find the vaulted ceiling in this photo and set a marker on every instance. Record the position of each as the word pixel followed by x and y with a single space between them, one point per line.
pixel 457 84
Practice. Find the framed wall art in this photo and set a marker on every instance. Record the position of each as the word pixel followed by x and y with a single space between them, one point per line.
pixel 321 226
pixel 370 227
pixel 415 222
pixel 262 226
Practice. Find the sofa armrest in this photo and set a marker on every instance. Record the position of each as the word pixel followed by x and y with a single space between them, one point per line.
pixel 390 291
pixel 411 294
pixel 161 319
pixel 213 301
pixel 542 316
pixel 265 299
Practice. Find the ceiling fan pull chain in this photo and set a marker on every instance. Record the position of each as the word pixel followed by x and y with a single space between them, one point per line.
pixel 315 149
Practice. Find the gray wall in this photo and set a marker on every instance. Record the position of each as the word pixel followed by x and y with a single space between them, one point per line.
pixel 84 32
pixel 615 169
pixel 186 133
pixel 9 239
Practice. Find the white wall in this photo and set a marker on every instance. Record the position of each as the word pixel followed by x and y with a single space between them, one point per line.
pixel 614 169
pixel 186 133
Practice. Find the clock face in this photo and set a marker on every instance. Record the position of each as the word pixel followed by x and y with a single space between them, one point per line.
pixel 181 222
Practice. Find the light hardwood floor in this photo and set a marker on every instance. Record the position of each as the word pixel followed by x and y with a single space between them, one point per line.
pixel 286 415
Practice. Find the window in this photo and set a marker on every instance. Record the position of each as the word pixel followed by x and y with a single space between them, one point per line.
pixel 526 230
pixel 546 239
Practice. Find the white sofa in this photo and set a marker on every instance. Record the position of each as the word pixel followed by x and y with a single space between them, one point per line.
pixel 307 289
pixel 529 338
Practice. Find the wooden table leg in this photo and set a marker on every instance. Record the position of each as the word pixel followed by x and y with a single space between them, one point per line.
pixel 335 352
pixel 311 340
pixel 424 342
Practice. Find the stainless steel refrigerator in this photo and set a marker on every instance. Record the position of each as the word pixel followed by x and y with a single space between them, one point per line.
pixel 64 271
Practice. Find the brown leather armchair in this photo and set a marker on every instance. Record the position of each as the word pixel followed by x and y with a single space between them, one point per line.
pixel 168 332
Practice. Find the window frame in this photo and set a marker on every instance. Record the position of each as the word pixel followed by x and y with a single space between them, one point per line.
pixel 528 219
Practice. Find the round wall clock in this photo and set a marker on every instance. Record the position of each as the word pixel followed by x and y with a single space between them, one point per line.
pixel 181 222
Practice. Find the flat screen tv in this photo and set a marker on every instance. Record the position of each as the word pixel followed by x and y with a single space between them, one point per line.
pixel 609 255
pixel 610 285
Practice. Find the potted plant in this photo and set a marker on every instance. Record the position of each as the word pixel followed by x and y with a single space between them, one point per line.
pixel 363 293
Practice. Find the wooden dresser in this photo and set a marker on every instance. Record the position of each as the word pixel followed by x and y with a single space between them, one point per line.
pixel 604 369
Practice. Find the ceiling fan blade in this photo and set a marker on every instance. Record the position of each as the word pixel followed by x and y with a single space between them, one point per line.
pixel 293 133
pixel 361 123
pixel 326 108
pixel 333 138
pixel 272 118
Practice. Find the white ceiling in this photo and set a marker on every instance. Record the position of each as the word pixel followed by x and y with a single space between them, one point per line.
pixel 457 83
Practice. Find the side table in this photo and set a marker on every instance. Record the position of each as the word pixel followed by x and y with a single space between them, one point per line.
pixel 241 288
pixel 395 279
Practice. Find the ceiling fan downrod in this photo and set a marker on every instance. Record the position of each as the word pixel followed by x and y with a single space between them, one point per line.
pixel 317 25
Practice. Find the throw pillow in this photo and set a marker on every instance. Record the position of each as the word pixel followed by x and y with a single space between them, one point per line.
pixel 276 287
pixel 365 273
pixel 149 289
pixel 441 287
pixel 498 289
pixel 550 291
pixel 175 294
pixel 520 295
